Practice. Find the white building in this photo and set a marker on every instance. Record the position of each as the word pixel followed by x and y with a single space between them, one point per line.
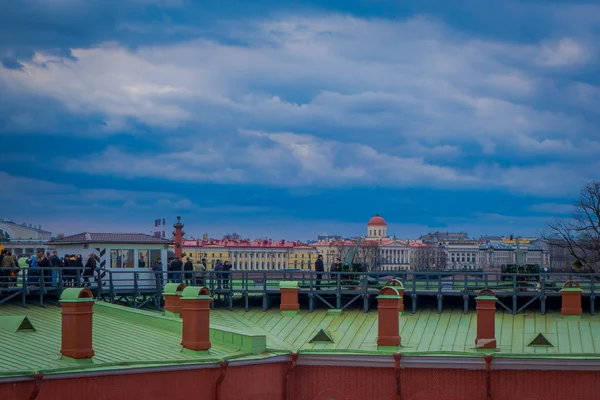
pixel 125 253
pixel 395 255
pixel 463 255
pixel 23 239
pixel 376 228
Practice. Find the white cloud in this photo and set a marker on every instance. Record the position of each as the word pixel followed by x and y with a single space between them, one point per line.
pixel 564 52
pixel 280 158
pixel 390 102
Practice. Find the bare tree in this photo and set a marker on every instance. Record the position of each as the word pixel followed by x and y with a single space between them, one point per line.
pixel 231 237
pixel 60 235
pixel 340 247
pixel 580 234
pixel 368 253
pixel 428 258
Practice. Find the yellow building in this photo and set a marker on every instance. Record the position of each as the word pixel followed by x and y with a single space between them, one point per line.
pixel 251 255
pixel 524 241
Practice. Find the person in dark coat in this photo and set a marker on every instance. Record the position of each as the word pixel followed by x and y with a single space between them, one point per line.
pixel 157 267
pixel 188 267
pixel 219 273
pixel 45 272
pixel 90 267
pixel 78 264
pixel 319 268
pixel 176 270
pixel 226 268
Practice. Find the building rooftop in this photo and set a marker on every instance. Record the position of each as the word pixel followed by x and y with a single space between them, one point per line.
pixel 131 238
pixel 129 338
pixel 244 243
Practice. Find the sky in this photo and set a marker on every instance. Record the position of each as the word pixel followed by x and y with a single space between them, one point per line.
pixel 290 119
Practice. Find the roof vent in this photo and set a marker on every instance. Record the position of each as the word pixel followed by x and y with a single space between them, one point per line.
pixel 16 323
pixel 540 340
pixel 322 337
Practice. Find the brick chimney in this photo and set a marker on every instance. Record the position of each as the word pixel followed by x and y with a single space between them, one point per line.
pixel 195 313
pixel 77 305
pixel 571 298
pixel 289 297
pixel 388 334
pixel 486 319
pixel 172 294
pixel 396 284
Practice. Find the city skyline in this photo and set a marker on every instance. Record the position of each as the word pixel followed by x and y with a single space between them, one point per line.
pixel 293 121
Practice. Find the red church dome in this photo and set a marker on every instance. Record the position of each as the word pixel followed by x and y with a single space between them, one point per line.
pixel 377 221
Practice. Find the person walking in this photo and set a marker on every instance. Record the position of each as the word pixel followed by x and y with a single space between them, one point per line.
pixel 44 268
pixel 188 267
pixel 7 265
pixel 157 267
pixel 33 276
pixel 55 264
pixel 90 267
pixel 78 269
pixel 200 271
pixel 219 273
pixel 319 268
pixel 226 274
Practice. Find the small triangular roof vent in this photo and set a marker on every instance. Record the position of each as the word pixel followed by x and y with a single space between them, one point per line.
pixel 16 323
pixel 540 340
pixel 322 336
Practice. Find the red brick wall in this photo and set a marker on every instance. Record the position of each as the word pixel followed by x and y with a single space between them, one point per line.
pixel 266 382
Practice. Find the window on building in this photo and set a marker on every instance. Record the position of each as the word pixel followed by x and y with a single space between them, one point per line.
pixel 143 259
pixel 116 257
pixel 154 256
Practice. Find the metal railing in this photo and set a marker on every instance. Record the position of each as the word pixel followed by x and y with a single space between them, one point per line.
pixel 339 290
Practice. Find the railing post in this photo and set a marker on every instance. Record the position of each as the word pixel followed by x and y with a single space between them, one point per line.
pixel 338 294
pixel 514 297
pixel 439 294
pixel 365 277
pixel 265 294
pixel 465 295
pixel 543 294
pixel 592 297
pixel 414 293
pixel 111 287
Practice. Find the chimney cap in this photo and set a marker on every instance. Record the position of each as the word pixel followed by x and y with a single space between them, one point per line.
pixel 195 293
pixel 76 295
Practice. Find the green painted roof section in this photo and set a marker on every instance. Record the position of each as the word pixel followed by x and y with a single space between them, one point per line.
pixel 289 284
pixel 450 333
pixel 122 338
pixel 127 338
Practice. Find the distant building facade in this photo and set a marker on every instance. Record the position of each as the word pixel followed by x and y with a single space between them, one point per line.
pixel 444 237
pixel 246 254
pixel 23 239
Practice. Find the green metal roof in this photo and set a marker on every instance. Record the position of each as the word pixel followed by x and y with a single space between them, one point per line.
pixel 127 338
pixel 429 333
pixel 123 338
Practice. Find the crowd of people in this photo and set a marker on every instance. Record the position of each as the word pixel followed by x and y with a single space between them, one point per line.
pixel 48 269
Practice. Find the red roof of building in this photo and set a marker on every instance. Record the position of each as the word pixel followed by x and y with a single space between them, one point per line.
pixel 377 221
pixel 266 244
pixel 131 238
